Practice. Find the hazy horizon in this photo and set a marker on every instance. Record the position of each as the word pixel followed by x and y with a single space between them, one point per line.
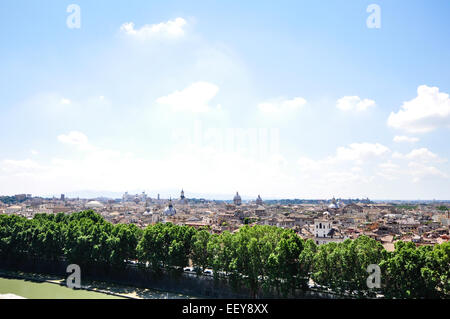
pixel 166 194
pixel 285 100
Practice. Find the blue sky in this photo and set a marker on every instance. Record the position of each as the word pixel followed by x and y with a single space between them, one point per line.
pixel 284 99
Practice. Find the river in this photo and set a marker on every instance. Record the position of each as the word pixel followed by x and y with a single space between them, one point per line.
pixel 44 290
pixel 32 289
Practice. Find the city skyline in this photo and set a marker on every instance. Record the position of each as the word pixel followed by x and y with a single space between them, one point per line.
pixel 298 100
pixel 172 194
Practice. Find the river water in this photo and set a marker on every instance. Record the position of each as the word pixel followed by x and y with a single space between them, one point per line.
pixel 45 290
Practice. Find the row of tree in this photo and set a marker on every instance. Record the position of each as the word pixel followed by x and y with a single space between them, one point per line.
pixel 84 238
pixel 265 259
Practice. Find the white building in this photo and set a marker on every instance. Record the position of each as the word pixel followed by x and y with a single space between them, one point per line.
pixel 325 233
pixel 322 227
pixel 134 198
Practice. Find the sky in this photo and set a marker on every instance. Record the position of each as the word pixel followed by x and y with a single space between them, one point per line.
pixel 285 99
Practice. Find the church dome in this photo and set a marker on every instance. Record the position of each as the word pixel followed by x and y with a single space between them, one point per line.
pixel 148 212
pixel 237 199
pixel 170 210
pixel 333 206
pixel 94 204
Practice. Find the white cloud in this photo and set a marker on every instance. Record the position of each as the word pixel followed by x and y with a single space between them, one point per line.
pixel 415 164
pixel 75 138
pixel 170 29
pixel 355 153
pixel 388 165
pixel 420 171
pixel 195 98
pixel 388 176
pixel 403 138
pixel 352 171
pixel 345 177
pixel 397 155
pixel 354 103
pixel 425 113
pixel 423 155
pixel 307 164
pixel 330 176
pixel 361 152
pixel 359 167
pixel 343 172
pixel 19 167
pixel 65 101
pixel 282 105
pixel 196 168
pixel 389 170
pixel 356 169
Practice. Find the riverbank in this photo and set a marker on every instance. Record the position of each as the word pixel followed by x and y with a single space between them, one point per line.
pixel 24 288
pixel 11 296
pixel 140 282
pixel 101 289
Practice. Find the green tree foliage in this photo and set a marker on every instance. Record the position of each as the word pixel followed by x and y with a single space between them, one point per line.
pixel 306 262
pixel 265 259
pixel 222 258
pixel 417 272
pixel 165 246
pixel 437 269
pixel 125 240
pixel 84 238
pixel 199 254
pixel 343 266
pixel 258 257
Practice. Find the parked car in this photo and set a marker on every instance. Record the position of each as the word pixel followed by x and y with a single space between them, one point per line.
pixel 208 272
pixel 188 269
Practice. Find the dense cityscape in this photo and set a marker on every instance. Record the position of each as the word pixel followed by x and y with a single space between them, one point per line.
pixel 332 220
pixel 303 248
